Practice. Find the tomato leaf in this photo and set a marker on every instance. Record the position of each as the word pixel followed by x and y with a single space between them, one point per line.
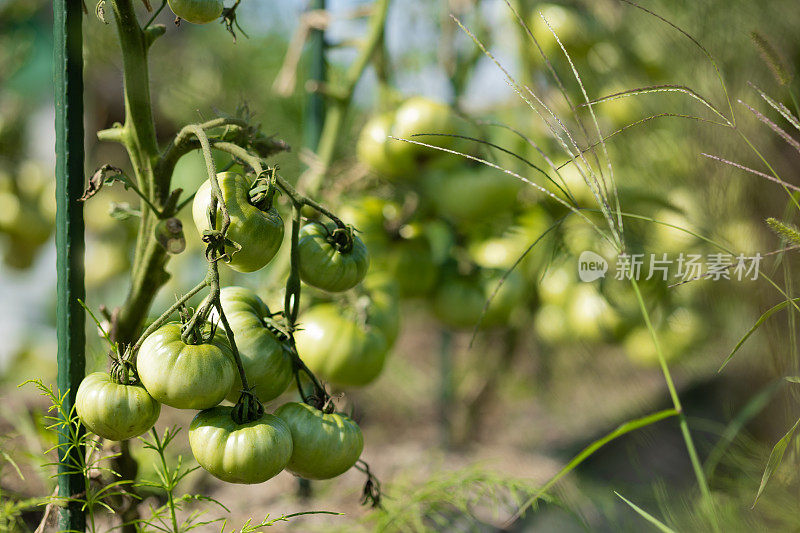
pixel 775 458
pixel 647 516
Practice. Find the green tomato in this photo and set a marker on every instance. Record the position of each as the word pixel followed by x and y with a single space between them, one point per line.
pixel 372 216
pixel 497 252
pixel 262 349
pixel 197 11
pixel 641 350
pixel 421 115
pixel 473 194
pixel 669 238
pixel 372 148
pixel 550 324
pixel 459 302
pixel 510 296
pixel 340 348
pixel 555 286
pixel 410 263
pixel 115 411
pixel 566 24
pixel 259 233
pixel 185 376
pixel 248 453
pixel 325 444
pixel 384 311
pixel 589 314
pixel 326 263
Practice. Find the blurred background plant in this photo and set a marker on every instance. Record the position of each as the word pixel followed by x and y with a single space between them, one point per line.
pixel 474 400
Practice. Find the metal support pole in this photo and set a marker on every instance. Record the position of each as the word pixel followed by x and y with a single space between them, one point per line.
pixel 312 130
pixel 68 77
pixel 315 103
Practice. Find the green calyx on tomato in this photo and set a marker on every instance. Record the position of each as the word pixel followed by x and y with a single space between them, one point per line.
pixel 185 376
pixel 331 258
pixel 325 444
pixel 113 410
pixel 197 11
pixel 262 346
pixel 345 350
pixel 247 453
pixel 258 233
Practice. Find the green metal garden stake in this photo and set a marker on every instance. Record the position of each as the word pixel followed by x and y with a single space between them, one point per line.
pixel 68 77
pixel 312 130
pixel 315 103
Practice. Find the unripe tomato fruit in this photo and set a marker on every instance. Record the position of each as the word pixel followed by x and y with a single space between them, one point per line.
pixel 510 295
pixel 459 302
pixel 372 148
pixel 267 363
pixel 325 261
pixel 410 263
pixel 421 115
pixel 185 376
pixel 472 194
pixel 340 348
pixel 384 311
pixel 240 453
pixel 197 11
pixel 550 324
pixel 115 411
pixel 590 316
pixel 325 444
pixel 258 232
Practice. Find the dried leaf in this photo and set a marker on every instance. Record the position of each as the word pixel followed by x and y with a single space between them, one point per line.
pixel 104 175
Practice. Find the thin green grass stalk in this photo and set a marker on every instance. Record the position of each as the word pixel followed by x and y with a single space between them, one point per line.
pixel 622 429
pixel 676 402
pixel 647 516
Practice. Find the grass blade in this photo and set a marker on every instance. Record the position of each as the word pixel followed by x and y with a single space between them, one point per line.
pixel 763 318
pixel 775 458
pixel 754 406
pixel 647 516
pixel 627 427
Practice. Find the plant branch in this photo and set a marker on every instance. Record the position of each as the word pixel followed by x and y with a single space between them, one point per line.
pixel 161 320
pixel 337 110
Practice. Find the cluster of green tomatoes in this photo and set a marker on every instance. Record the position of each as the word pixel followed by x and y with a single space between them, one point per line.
pixel 188 365
pixel 461 236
